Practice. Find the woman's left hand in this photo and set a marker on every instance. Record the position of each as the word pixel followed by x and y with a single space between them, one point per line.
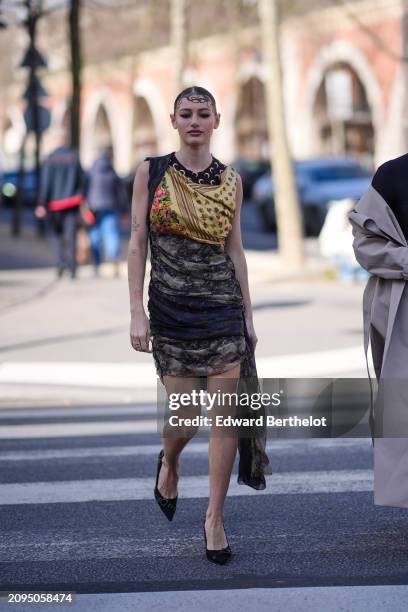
pixel 251 332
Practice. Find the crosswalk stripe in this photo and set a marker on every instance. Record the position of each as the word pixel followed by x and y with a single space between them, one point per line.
pixel 195 448
pixel 58 430
pixel 142 375
pixel 121 489
pixel 30 550
pixel 75 411
pixel 102 375
pixel 82 428
pixel 319 364
pixel 373 598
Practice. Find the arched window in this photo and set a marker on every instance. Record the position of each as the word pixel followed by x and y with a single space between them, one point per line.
pixel 144 140
pixel 251 128
pixel 343 115
pixel 103 132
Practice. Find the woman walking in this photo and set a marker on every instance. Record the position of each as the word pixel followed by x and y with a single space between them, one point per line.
pixel 187 205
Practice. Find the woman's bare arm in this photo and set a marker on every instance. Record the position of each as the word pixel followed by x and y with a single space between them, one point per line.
pixel 233 246
pixel 137 253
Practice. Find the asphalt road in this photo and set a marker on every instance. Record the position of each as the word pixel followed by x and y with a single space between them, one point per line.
pixel 77 513
pixel 76 481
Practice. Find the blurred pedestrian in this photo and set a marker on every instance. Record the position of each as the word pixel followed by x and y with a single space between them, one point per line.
pixel 335 242
pixel 60 197
pixel 106 198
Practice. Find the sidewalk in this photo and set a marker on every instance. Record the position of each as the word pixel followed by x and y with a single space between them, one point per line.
pixel 30 252
pixel 61 338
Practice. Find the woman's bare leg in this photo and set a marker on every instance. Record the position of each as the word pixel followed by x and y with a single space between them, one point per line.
pixel 173 443
pixel 221 455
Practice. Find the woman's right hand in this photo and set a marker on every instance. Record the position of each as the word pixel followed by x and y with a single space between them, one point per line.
pixel 140 332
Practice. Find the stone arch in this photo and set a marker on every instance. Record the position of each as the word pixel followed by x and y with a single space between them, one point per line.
pixel 60 114
pixel 251 132
pixel 100 109
pixel 144 135
pixel 342 53
pixel 392 139
pixel 161 127
pixel 349 129
pixel 103 128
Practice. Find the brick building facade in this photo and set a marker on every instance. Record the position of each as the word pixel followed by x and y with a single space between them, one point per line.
pixel 343 77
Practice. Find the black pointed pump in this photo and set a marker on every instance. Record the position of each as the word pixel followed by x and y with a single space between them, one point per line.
pixel 221 555
pixel 166 504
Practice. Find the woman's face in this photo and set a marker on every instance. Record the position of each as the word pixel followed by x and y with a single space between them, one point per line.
pixel 195 121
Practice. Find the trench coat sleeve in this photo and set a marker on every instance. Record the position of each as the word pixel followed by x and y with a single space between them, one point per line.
pixel 377 253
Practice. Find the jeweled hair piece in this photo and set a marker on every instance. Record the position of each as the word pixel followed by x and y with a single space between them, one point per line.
pixel 195 94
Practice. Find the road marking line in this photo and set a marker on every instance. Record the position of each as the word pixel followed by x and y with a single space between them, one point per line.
pixel 62 430
pixel 83 374
pixel 142 375
pixel 37 412
pixel 298 446
pixel 288 599
pixel 121 489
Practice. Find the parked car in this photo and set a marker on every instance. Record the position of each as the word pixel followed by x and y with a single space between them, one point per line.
pixel 9 180
pixel 318 182
pixel 250 171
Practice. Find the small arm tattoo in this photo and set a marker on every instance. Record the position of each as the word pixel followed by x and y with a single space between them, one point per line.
pixel 135 225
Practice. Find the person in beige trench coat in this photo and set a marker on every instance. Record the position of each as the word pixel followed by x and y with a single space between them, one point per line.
pixel 381 248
